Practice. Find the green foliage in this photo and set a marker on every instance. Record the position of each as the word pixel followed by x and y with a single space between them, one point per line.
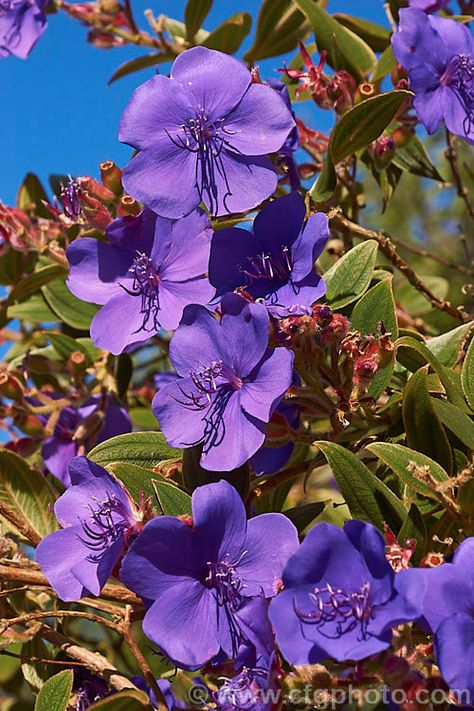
pixel 145 449
pixel 55 693
pixel 350 276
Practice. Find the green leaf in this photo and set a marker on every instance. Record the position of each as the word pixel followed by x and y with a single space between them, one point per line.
pixel 415 303
pixel 423 428
pixel 142 418
pixel 129 700
pixel 55 693
pixel 414 527
pixel 230 34
pixel 350 276
pixel 33 282
pixel 138 63
pixel 302 516
pixel 280 25
pixel 385 65
pixel 26 492
pixel 352 54
pixel 449 378
pixel 456 421
pixel 195 13
pixel 146 449
pixel 64 345
pixel 467 375
pixel 447 347
pixel 74 312
pixel 35 310
pixel 173 501
pixel 399 459
pixel 376 36
pixel 356 482
pixel 375 307
pixel 415 159
pixel 136 480
pixel 31 195
pixel 356 129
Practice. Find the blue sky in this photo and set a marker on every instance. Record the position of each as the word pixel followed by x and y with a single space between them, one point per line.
pixel 59 115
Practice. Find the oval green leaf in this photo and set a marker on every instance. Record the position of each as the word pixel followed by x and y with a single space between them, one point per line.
pixel 350 276
pixel 55 693
pixel 145 449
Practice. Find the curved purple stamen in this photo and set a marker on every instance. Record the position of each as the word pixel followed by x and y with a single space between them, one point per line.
pixel 145 284
pixel 109 520
pixel 243 690
pixel 459 76
pixel 346 609
pixel 222 577
pixel 206 138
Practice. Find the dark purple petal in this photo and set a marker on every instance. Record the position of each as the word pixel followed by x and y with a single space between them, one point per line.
pixel 116 421
pixel 309 245
pixel 216 80
pixel 271 540
pixel 232 251
pixel 292 299
pixel 260 123
pixel 133 233
pixel 265 387
pixel 95 269
pixel 296 648
pixel 280 222
pixel 158 106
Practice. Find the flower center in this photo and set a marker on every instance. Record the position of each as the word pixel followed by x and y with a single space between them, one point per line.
pixel 459 76
pixel 337 612
pixel 108 521
pixel 70 197
pixel 242 692
pixel 146 285
pixel 206 138
pixel 224 579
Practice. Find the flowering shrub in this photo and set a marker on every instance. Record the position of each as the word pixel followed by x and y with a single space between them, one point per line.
pixel 237 393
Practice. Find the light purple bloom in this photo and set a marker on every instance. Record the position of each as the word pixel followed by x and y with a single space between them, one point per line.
pixel 97 518
pixel 275 262
pixel 341 597
pixel 22 22
pixel 448 610
pixel 203 135
pixel 101 416
pixel 230 383
pixel 429 5
pixel 150 270
pixel 196 577
pixel 438 55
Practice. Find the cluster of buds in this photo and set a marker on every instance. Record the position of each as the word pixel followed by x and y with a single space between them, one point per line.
pixel 366 354
pixel 85 199
pixel 23 233
pixel 398 555
pixel 336 92
pixel 101 17
pixel 319 328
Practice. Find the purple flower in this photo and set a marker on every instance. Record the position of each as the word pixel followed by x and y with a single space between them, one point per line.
pixel 429 5
pixel 97 518
pixel 439 56
pixel 150 270
pixel 22 22
pixel 230 383
pixel 448 611
pixel 275 262
pixel 100 418
pixel 341 596
pixel 198 576
pixel 203 135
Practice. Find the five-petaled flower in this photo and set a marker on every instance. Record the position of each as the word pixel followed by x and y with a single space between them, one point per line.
pixel 22 22
pixel 203 135
pixel 448 611
pixel 230 383
pixel 206 571
pixel 276 262
pixel 438 54
pixel 98 518
pixel 150 270
pixel 341 597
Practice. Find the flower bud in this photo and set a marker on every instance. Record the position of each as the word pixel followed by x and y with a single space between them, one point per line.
pixel 383 151
pixel 111 176
pixel 403 135
pixel 128 206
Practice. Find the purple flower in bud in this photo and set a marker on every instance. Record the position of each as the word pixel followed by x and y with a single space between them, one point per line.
pixel 230 383
pixel 97 420
pixel 203 136
pixel 205 572
pixel 341 597
pixel 448 612
pixel 97 517
pixel 438 55
pixel 70 198
pixel 22 22
pixel 149 271
pixel 275 262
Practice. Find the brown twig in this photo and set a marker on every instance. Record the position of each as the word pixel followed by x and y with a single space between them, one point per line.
pixel 15 572
pixel 389 250
pixel 452 158
pixel 20 524
pixel 435 257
